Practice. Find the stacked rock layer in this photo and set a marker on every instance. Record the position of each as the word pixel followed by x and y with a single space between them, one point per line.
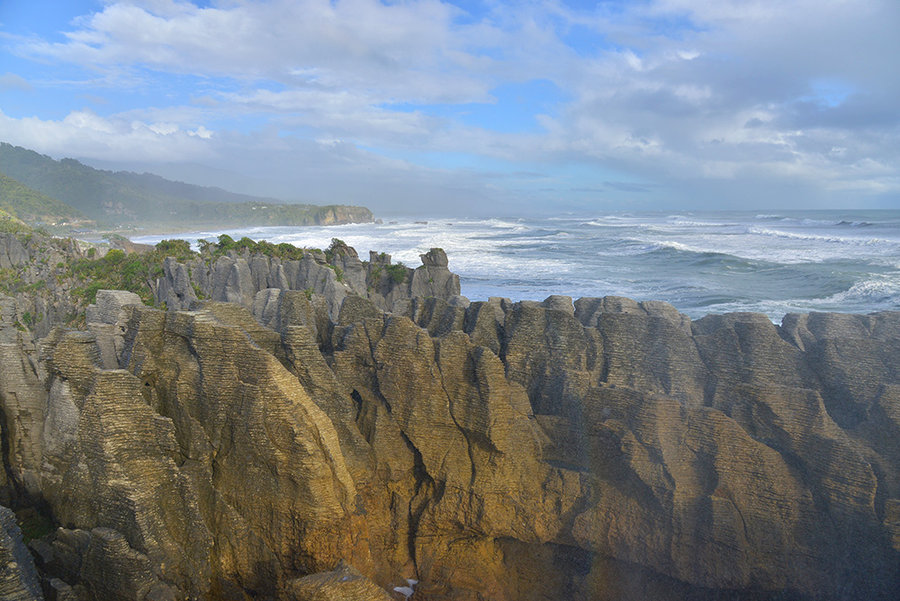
pixel 292 445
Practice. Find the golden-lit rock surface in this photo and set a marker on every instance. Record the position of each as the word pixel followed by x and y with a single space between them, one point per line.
pixel 507 451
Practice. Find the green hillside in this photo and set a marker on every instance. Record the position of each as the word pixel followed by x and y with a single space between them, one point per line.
pixel 33 207
pixel 130 199
pixel 10 224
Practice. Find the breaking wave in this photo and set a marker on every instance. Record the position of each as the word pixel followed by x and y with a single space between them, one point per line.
pixel 700 262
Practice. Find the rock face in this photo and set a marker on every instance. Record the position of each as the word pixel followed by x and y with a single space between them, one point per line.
pixel 18 577
pixel 274 448
pixel 32 262
pixel 238 277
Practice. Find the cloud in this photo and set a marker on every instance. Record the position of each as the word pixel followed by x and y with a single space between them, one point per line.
pixel 407 49
pixel 85 134
pixel 322 171
pixel 11 81
pixel 680 111
pixel 676 98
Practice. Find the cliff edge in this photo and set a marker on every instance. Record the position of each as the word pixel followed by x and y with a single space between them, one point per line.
pixel 403 442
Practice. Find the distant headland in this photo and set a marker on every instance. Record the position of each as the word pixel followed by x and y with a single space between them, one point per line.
pixel 69 197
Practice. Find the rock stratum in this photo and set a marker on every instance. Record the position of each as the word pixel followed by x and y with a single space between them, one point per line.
pixel 299 437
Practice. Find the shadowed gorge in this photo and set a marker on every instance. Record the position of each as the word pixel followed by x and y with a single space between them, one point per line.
pixel 307 425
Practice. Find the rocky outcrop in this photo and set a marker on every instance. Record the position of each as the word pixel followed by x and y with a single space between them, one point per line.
pixel 285 446
pixel 238 277
pixel 12 252
pixel 18 577
pixel 25 399
pixel 344 582
pixel 32 267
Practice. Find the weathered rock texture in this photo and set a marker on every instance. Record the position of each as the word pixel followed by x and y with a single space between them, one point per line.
pixel 490 450
pixel 18 577
pixel 238 277
pixel 30 270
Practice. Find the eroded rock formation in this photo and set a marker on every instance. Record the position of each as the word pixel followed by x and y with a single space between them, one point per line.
pixel 276 448
pixel 239 276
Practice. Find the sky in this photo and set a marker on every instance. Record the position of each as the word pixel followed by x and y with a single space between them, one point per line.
pixel 470 107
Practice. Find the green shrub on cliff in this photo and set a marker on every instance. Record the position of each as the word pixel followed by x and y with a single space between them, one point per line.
pixel 179 249
pixel 396 272
pixel 225 244
pixel 120 271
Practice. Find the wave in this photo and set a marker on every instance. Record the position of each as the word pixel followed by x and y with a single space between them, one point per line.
pixel 737 248
pixel 679 246
pixel 809 222
pixel 500 224
pixel 817 237
pixel 622 223
pixel 685 254
pixel 691 221
pixel 875 291
pixel 855 223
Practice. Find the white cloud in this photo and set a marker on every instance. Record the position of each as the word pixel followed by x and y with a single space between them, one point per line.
pixel 85 134
pixel 11 81
pixel 201 132
pixel 411 50
pixel 669 91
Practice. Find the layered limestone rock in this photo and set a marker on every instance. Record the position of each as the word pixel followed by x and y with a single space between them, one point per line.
pixel 603 449
pixel 12 252
pixel 204 464
pixel 31 270
pixel 344 582
pixel 239 277
pixel 24 400
pixel 18 577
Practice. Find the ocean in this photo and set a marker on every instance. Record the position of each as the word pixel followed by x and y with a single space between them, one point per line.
pixel 701 262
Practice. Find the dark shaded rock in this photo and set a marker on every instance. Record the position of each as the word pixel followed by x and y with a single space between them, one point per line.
pixel 18 577
pixel 175 288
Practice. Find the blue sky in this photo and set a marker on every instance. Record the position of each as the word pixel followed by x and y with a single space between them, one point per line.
pixel 470 107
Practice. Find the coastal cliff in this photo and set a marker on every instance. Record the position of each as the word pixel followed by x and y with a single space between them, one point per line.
pixel 296 435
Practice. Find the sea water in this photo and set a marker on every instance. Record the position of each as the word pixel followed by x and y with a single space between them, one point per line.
pixel 701 262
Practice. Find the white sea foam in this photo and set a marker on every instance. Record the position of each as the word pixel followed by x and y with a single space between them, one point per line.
pixel 677 246
pixel 808 257
pixel 688 222
pixel 617 223
pixel 882 289
pixel 818 237
pixel 876 294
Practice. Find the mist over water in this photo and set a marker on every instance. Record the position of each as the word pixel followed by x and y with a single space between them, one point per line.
pixel 701 262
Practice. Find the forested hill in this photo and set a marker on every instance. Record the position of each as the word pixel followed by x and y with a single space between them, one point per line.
pixel 31 206
pixel 124 198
